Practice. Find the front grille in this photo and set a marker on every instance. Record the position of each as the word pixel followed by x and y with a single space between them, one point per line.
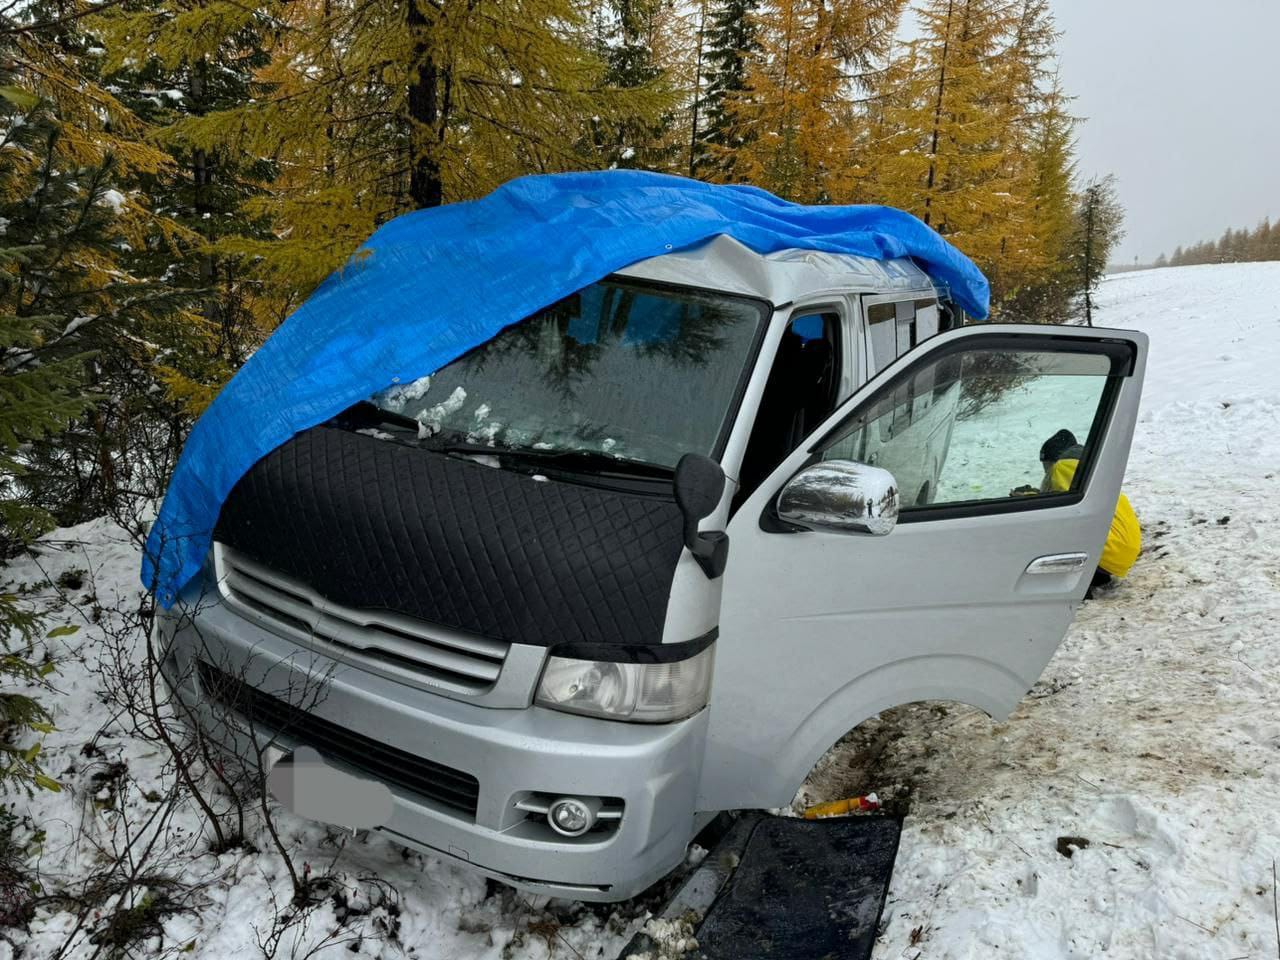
pixel 401 647
pixel 434 781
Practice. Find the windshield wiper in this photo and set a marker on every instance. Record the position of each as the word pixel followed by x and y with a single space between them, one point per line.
pixel 589 461
pixel 581 461
pixel 368 414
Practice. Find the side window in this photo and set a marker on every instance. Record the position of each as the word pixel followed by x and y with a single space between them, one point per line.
pixel 906 317
pixel 927 323
pixel 882 333
pixel 895 328
pixel 926 326
pixel 990 412
pixel 802 392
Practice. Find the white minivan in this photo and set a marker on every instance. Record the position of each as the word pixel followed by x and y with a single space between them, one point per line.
pixel 648 554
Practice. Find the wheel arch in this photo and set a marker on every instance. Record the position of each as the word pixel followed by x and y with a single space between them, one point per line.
pixel 988 686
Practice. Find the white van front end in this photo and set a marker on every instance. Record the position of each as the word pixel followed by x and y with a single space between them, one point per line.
pixel 471 783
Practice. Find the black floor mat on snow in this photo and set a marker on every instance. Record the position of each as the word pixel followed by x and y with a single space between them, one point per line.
pixel 804 890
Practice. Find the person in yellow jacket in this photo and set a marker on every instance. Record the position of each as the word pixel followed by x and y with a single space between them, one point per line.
pixel 1060 456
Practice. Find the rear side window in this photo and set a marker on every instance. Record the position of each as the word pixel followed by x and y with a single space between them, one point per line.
pixel 882 331
pixel 895 328
pixel 927 324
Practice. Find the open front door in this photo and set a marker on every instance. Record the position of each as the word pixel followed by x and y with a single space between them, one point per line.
pixel 968 596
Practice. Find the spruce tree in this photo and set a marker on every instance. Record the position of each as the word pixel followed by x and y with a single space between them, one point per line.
pixel 41 392
pixel 626 44
pixel 730 40
pixel 166 64
pixel 1098 228
pixel 89 207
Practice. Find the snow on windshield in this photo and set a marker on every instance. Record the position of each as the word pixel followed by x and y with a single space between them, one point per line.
pixel 623 369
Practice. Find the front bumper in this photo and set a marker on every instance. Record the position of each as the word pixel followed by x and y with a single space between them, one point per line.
pixel 512 753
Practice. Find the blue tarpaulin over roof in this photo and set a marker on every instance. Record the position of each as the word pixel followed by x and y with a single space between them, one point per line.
pixel 430 285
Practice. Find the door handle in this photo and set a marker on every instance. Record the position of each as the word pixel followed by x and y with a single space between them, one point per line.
pixel 1058 563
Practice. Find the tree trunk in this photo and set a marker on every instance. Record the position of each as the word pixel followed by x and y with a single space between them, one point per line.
pixel 330 164
pixel 697 92
pixel 202 176
pixel 937 122
pixel 1090 203
pixel 426 189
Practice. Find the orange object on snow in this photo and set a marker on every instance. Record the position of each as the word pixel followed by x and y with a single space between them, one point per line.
pixel 842 808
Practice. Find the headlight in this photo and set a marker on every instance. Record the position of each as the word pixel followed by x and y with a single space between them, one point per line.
pixel 639 692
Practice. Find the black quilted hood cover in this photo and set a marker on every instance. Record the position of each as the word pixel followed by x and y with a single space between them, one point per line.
pixel 374 524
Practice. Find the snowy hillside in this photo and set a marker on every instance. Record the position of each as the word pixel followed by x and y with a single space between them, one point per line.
pixel 1153 739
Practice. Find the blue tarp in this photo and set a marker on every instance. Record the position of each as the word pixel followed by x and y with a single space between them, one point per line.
pixel 430 285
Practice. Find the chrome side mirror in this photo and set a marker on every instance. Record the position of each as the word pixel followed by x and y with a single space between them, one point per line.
pixel 843 496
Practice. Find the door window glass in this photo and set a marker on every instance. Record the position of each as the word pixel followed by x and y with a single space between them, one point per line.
pixel 971 426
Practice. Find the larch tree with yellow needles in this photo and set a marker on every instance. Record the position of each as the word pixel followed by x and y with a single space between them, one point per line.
pixel 792 128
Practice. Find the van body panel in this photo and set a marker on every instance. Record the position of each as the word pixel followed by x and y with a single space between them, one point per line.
pixel 780 277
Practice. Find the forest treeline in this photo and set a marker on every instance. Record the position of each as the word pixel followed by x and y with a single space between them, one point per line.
pixel 177 175
pixel 1234 246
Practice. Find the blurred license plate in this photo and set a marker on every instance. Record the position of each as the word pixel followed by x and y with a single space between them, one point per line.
pixel 309 787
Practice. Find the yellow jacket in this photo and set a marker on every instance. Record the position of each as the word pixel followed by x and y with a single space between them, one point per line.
pixel 1125 539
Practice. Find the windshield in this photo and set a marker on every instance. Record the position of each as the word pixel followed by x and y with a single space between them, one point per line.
pixel 620 369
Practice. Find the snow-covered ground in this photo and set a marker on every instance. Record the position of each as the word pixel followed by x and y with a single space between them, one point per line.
pixel 1154 736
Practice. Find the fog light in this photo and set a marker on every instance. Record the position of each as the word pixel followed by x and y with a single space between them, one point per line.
pixel 572 817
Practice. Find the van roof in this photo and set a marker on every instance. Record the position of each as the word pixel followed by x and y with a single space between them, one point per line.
pixel 723 263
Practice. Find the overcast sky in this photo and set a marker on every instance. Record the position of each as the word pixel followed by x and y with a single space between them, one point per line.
pixel 1180 98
